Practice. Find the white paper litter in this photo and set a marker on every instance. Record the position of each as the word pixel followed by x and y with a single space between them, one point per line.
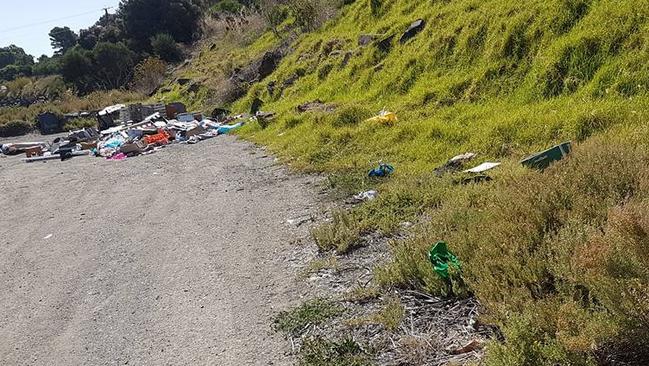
pixel 482 168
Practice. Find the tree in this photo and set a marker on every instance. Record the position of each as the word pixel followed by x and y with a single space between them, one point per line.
pixel 144 19
pixel 165 47
pixel 77 69
pixel 88 38
pixel 62 39
pixel 47 65
pixel 113 65
pixel 14 55
pixel 14 62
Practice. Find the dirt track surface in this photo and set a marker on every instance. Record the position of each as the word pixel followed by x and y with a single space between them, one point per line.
pixel 177 258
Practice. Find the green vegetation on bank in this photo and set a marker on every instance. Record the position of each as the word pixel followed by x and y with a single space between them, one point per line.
pixel 559 259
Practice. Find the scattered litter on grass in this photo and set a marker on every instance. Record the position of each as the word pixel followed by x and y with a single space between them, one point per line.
pixel 441 257
pixel 543 159
pixel 416 27
pixel 385 117
pixel 455 164
pixel 383 170
pixel 482 168
pixel 365 196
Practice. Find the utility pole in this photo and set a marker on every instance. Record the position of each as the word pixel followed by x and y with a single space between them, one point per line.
pixel 106 9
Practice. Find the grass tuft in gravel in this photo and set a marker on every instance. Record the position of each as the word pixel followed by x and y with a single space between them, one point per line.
pixel 313 313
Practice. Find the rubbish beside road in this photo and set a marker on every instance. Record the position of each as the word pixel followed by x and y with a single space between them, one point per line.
pixel 454 164
pixel 365 196
pixel 383 170
pixel 385 117
pixel 543 159
pixel 122 140
pixel 442 259
pixel 51 156
pixel 21 148
pixel 482 168
pixel 416 27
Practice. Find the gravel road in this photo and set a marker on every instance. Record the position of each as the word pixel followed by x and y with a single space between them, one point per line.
pixel 177 258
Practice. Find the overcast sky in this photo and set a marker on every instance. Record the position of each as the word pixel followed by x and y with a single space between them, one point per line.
pixel 26 23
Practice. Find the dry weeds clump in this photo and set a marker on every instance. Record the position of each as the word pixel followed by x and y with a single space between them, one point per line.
pixel 563 250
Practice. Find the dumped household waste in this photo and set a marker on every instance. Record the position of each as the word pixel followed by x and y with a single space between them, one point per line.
pixel 416 27
pixel 21 148
pixel 482 167
pixel 543 159
pixel 385 117
pixel 370 195
pixel 119 140
pixel 440 257
pixel 454 164
pixel 383 170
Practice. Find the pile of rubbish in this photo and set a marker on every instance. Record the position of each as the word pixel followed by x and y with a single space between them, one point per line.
pixel 118 140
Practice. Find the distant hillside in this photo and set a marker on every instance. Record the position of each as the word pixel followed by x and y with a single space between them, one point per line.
pixel 559 258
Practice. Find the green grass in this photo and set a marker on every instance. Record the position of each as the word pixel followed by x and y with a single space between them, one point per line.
pixel 323 352
pixel 312 313
pixel 558 259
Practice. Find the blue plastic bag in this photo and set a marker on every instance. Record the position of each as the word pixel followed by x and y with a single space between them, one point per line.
pixel 383 170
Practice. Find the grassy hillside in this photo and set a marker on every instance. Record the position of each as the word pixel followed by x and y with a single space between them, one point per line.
pixel 559 259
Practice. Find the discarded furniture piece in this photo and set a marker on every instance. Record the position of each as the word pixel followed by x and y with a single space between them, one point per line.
pixel 416 27
pixel 83 135
pixel 173 109
pixel 543 159
pixel 109 116
pixel 19 148
pixel 49 123
pixel 132 148
pixel 34 151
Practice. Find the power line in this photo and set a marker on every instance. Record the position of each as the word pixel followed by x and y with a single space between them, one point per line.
pixel 53 20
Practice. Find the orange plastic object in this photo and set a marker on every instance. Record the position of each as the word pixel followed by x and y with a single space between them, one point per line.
pixel 160 138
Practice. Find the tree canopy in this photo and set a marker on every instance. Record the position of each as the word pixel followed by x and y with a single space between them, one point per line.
pixel 62 39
